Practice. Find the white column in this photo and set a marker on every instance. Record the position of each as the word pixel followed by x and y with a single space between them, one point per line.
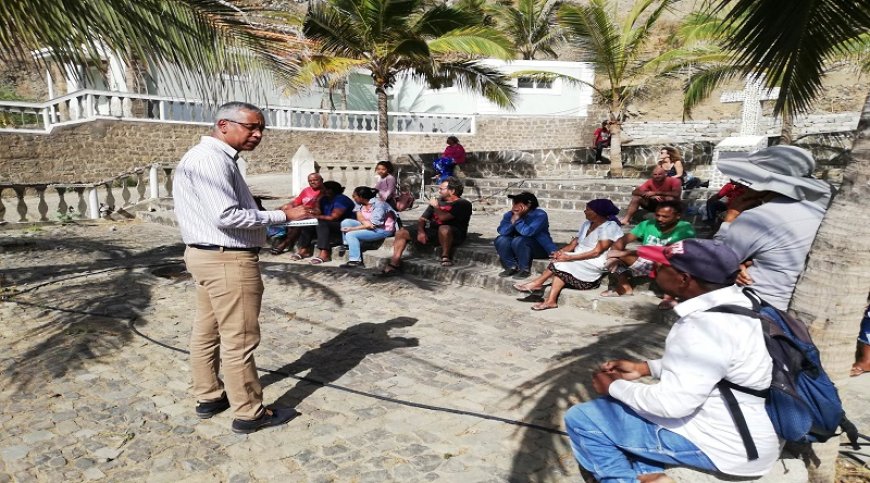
pixel 93 204
pixel 72 85
pixel 153 182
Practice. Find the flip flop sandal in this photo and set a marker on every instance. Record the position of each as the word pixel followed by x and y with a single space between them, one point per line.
pixel 276 251
pixel 446 262
pixel 317 261
pixel 296 257
pixel 614 293
pixel 539 307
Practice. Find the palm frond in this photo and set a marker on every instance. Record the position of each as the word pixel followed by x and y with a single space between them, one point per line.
pixel 702 83
pixel 474 76
pixel 792 40
pixel 318 66
pixel 475 42
pixel 208 37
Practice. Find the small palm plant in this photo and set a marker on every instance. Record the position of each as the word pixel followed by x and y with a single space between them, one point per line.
pixel 530 25
pixel 620 48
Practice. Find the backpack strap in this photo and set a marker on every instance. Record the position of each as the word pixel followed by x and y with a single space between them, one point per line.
pixel 725 386
pixel 739 420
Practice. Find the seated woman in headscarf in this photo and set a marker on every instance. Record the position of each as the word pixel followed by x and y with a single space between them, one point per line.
pixel 580 264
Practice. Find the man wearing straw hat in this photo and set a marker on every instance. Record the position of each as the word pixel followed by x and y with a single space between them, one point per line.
pixel 771 227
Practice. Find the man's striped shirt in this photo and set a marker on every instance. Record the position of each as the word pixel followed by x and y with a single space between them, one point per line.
pixel 213 204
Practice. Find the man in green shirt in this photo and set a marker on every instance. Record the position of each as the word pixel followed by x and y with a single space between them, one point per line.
pixel 666 229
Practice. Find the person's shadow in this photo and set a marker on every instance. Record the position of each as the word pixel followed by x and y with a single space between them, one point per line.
pixel 339 355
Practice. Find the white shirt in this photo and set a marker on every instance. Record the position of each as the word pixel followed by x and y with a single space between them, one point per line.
pixel 701 349
pixel 213 204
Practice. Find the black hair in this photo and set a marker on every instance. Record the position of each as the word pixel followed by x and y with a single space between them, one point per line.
pixel 676 205
pixel 365 192
pixel 454 184
pixel 390 168
pixel 333 186
pixel 453 139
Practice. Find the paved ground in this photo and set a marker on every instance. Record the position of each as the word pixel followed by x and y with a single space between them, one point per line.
pixel 85 396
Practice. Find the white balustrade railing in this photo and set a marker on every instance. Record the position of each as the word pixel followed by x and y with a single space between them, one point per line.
pixel 89 105
pixel 72 201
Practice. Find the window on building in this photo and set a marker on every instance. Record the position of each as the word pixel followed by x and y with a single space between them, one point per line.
pixel 532 83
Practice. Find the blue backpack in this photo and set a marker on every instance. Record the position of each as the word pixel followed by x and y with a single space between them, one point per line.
pixel 802 402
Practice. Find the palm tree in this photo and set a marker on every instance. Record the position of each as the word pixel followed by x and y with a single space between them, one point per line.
pixel 792 41
pixel 436 44
pixel 530 25
pixel 205 37
pixel 618 47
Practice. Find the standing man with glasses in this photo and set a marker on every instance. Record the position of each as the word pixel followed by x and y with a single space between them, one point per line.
pixel 224 230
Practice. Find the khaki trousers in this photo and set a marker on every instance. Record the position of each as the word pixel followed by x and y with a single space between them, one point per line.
pixel 229 291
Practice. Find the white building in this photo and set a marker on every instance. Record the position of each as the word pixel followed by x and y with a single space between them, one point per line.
pixel 557 97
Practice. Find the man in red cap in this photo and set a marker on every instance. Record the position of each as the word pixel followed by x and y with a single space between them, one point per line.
pixel 636 430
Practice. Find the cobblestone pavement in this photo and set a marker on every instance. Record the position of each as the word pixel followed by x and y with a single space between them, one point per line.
pixel 86 397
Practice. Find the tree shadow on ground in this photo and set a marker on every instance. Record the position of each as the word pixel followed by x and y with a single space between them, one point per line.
pixel 82 309
pixel 543 456
pixel 339 355
pixel 306 276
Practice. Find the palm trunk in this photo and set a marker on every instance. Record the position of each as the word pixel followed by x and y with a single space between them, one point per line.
pixel 615 149
pixel 786 134
pixel 383 126
pixel 832 292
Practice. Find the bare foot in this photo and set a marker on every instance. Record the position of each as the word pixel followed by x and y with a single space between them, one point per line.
pixel 859 368
pixel 527 287
pixel 544 306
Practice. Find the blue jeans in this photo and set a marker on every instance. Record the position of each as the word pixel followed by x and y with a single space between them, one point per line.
pixel 864 335
pixel 353 238
pixel 518 251
pixel 615 444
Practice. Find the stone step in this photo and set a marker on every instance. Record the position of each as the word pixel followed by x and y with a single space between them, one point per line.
pixel 555 183
pixel 473 274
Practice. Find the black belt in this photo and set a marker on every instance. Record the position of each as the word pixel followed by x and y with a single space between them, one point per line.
pixel 226 249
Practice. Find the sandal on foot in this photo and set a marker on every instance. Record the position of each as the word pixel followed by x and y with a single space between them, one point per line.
pixel 317 261
pixel 446 262
pixel 276 251
pixel 296 257
pixel 396 270
pixel 524 287
pixel 543 306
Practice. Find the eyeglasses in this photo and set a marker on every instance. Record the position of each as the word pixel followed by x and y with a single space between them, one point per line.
pixel 250 126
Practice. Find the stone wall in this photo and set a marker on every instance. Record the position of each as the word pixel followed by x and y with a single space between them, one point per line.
pixel 576 162
pixel 98 150
pixel 509 145
pixel 717 130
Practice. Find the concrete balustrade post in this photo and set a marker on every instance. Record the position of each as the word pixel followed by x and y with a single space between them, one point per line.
pixel 93 204
pixel 153 181
pixel 22 205
pixel 42 206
